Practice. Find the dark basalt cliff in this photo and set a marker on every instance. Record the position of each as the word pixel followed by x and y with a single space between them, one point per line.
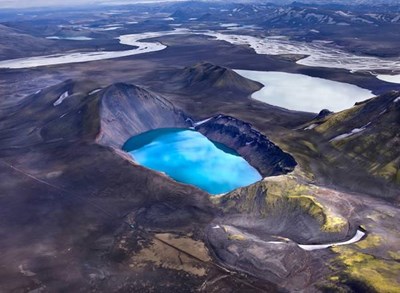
pixel 255 147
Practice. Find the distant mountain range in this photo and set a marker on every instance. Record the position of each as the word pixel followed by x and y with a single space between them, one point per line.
pixel 295 13
pixel 323 2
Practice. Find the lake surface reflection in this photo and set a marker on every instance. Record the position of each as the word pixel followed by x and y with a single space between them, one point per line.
pixel 305 93
pixel 189 157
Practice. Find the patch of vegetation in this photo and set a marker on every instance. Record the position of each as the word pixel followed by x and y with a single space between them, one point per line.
pixel 370 241
pixel 380 274
pixel 389 171
pixel 310 146
pixel 312 207
pixel 329 221
pixel 236 237
pixel 395 255
pixel 282 193
pixel 337 118
pixel 334 278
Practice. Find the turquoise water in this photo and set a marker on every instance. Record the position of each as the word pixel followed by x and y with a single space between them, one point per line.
pixel 189 157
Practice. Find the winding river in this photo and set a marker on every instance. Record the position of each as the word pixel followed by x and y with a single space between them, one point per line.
pixel 318 54
pixel 135 40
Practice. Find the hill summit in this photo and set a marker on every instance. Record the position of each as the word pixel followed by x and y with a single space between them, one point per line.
pixel 206 75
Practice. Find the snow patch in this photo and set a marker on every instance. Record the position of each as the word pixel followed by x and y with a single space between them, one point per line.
pixel 202 122
pixel 351 133
pixel 312 126
pixel 228 24
pixel 113 28
pixel 94 91
pixel 396 19
pixel 357 237
pixel 61 98
pixel 69 38
pixel 389 78
pixel 342 13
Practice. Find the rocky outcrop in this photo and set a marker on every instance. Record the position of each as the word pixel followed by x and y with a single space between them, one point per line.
pixel 324 113
pixel 255 147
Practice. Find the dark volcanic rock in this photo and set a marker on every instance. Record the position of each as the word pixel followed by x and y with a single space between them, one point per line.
pixel 323 114
pixel 255 147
